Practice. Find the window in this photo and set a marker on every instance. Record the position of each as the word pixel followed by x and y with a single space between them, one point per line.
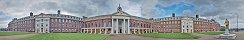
pixel 141 25
pixel 46 20
pixel 55 20
pixel 37 20
pixel 58 20
pixel 101 24
pixel 46 25
pixel 42 20
pixel 105 24
pixel 52 20
pixel 109 24
pixel 62 20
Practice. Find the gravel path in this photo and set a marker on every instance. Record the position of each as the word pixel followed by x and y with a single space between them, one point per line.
pixel 15 37
pixel 133 37
pixel 240 36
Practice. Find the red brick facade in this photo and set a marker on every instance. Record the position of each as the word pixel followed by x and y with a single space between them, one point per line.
pixel 24 26
pixel 118 22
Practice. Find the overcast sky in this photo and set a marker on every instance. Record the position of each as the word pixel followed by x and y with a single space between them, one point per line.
pixel 207 9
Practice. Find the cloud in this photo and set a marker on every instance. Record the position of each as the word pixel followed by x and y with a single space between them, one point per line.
pixel 210 9
pixel 219 9
pixel 187 12
pixel 20 8
pixel 148 9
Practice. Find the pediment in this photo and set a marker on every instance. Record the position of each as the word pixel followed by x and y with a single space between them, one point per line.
pixel 121 13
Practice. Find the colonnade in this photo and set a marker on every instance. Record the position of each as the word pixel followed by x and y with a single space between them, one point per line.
pixel 119 26
pixel 108 30
pixel 141 30
pixel 96 30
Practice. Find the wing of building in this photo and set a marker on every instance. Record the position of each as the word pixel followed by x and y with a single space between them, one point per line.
pixel 118 22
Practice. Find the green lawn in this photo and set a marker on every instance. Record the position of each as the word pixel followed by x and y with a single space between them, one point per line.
pixel 12 33
pixel 170 35
pixel 68 36
pixel 212 33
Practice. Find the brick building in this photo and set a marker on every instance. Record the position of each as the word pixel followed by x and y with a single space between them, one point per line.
pixel 118 22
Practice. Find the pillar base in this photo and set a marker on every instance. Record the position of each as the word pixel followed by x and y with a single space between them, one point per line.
pixel 227 36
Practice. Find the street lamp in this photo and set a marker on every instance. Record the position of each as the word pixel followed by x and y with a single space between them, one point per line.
pixel 237 16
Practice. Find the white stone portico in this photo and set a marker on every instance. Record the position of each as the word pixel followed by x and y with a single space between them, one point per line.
pixel 120 24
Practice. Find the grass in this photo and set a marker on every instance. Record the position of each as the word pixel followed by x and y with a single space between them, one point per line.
pixel 211 33
pixel 12 33
pixel 170 35
pixel 68 36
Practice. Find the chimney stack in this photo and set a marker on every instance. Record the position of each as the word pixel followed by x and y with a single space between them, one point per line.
pixel 58 11
pixel 14 19
pixel 84 17
pixel 31 14
pixel 197 16
pixel 173 14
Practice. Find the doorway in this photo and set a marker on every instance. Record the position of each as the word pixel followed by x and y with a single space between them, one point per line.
pixel 41 30
pixel 120 29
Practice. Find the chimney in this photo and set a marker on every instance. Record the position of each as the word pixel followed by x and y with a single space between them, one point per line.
pixel 173 14
pixel 58 11
pixel 14 19
pixel 84 17
pixel 197 16
pixel 31 14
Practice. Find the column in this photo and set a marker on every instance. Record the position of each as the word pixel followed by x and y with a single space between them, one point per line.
pixel 139 31
pixel 146 30
pixel 117 24
pixel 100 31
pixel 91 31
pixel 143 31
pixel 128 24
pixel 106 31
pixel 123 28
pixel 134 31
pixel 86 30
pixel 95 31
pixel 112 29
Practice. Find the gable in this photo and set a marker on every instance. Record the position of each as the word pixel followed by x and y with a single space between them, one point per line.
pixel 121 13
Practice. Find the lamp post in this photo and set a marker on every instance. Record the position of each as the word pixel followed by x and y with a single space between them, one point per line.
pixel 237 22
pixel 237 17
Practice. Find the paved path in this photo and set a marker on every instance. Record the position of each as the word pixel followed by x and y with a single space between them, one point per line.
pixel 133 37
pixel 240 36
pixel 15 37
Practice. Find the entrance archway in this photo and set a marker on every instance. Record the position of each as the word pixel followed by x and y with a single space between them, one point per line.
pixel 42 30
